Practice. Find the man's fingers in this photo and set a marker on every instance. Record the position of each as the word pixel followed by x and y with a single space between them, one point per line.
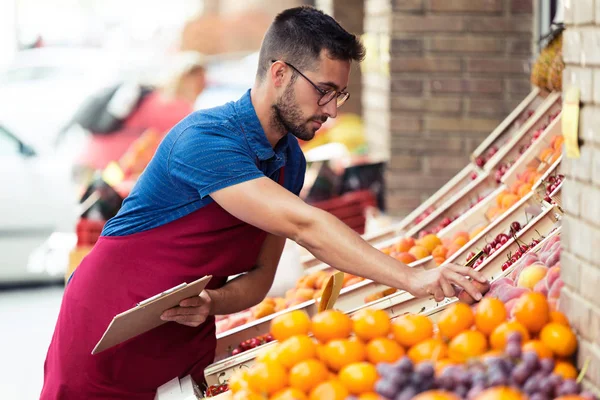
pixel 188 319
pixel 468 272
pixel 447 287
pixel 175 311
pixel 196 301
pixel 465 284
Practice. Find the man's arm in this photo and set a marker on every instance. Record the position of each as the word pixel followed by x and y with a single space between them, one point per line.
pixel 238 294
pixel 266 205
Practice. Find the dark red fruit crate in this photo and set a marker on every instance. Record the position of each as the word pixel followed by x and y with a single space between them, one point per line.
pixel 350 208
pixel 88 231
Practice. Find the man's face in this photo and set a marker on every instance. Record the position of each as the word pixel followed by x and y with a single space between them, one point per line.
pixel 297 108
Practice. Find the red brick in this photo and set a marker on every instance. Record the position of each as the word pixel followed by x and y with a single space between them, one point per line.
pixel 403 200
pixel 422 145
pixel 499 24
pixel 429 23
pixel 405 162
pixel 462 125
pixel 407 85
pixel 519 86
pixel 473 85
pixel 408 5
pixel 482 6
pixel 487 65
pixel 489 107
pixel 414 181
pixel 405 45
pixel 466 44
pixel 400 124
pixel 429 64
pixel 521 6
pixel 441 105
pixel 519 46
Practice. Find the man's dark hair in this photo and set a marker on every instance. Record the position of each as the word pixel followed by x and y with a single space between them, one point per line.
pixel 298 35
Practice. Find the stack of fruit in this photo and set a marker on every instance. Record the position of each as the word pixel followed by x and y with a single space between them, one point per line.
pixel 551 186
pixel 214 390
pixel 252 343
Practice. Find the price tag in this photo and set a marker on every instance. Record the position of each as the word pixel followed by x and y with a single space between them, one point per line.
pixel 570 121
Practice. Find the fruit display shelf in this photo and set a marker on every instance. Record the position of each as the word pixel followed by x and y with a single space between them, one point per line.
pixel 350 297
pixel 535 125
pixel 456 206
pixel 510 125
pixel 531 160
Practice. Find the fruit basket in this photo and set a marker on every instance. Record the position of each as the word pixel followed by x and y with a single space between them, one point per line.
pixel 459 204
pixel 508 127
pixel 501 161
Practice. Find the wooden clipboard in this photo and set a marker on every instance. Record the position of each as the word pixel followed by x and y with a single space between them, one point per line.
pixel 146 315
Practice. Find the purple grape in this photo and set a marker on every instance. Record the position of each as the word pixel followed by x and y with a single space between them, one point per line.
pixel 404 365
pixel 553 382
pixel 475 391
pixel 445 382
pixel 479 378
pixel 461 391
pixel 531 386
pixel 385 370
pixel 588 395
pixel 416 380
pixel 406 394
pixel 399 379
pixel 464 378
pixel 547 365
pixel 520 374
pixel 569 386
pixel 515 337
pixel 426 370
pixel 530 358
pixel 513 350
pixel 497 378
pixel 538 396
pixel 386 388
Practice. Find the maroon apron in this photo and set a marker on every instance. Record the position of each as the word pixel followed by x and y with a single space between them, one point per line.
pixel 121 271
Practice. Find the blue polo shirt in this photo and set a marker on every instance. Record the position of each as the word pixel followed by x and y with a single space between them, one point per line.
pixel 207 151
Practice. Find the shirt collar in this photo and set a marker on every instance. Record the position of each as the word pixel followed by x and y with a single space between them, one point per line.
pixel 254 132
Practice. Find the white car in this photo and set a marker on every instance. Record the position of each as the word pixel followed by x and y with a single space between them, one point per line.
pixel 37 200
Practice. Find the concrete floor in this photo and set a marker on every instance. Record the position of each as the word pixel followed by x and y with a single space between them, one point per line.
pixel 28 317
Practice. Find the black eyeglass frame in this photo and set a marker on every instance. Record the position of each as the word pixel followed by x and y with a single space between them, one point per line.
pixel 341 97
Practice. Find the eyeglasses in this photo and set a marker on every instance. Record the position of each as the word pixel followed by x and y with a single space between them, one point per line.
pixel 326 95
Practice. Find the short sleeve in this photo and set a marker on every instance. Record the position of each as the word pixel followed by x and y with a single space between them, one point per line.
pixel 208 161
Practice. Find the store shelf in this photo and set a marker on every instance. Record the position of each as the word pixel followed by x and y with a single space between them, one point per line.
pixel 511 124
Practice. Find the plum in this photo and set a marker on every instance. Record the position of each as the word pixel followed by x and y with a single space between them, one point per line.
pixel 509 305
pixel 551 277
pixel 553 258
pixel 501 282
pixel 541 287
pixel 511 292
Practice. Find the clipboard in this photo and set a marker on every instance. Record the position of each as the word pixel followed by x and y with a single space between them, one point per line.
pixel 146 314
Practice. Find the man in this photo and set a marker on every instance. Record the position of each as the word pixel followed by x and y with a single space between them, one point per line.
pixel 220 198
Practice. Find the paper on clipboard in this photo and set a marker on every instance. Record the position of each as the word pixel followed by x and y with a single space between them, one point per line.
pixel 146 315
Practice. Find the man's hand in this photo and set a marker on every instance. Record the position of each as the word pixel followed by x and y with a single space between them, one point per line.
pixel 191 311
pixel 439 282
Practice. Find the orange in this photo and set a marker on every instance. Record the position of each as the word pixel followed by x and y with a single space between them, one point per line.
pixel 238 381
pixel 546 153
pixel 559 318
pixel 341 352
pixel 295 349
pixel 440 251
pixel 369 396
pixel 383 350
pixel 491 353
pixel 509 200
pixel 428 350
pixel 524 189
pixel 436 395
pixel 565 369
pixel 501 393
pixel 559 338
pixel 461 241
pixel 307 374
pixel 500 198
pixel 359 377
pixel 493 212
pixel 571 397
pixel 455 319
pixel 267 378
pixel 331 324
pixel 329 390
pixel 404 245
pixel 467 345
pixel 538 347
pixel 411 329
pixel 247 394
pixel 405 257
pixel 289 394
pixel 477 231
pixel 419 252
pixel 453 248
pixel 439 260
pixel 289 324
pixel 558 142
pixel 533 311
pixel 369 324
pixel 501 333
pixel 461 234
pixel 430 242
pixel 489 313
pixel 270 354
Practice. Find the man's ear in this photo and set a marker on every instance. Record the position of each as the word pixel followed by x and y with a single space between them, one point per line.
pixel 278 73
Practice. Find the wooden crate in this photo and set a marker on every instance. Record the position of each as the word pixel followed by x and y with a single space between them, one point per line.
pixel 459 204
pixel 510 151
pixel 403 302
pixel 511 124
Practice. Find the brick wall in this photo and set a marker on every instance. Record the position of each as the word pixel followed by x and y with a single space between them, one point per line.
pixel 580 262
pixel 456 69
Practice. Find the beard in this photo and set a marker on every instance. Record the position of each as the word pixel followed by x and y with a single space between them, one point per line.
pixel 288 117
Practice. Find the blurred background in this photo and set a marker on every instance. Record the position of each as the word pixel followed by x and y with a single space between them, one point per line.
pixel 88 88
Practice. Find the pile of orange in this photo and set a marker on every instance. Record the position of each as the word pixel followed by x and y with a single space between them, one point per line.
pixel 409 250
pixel 525 180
